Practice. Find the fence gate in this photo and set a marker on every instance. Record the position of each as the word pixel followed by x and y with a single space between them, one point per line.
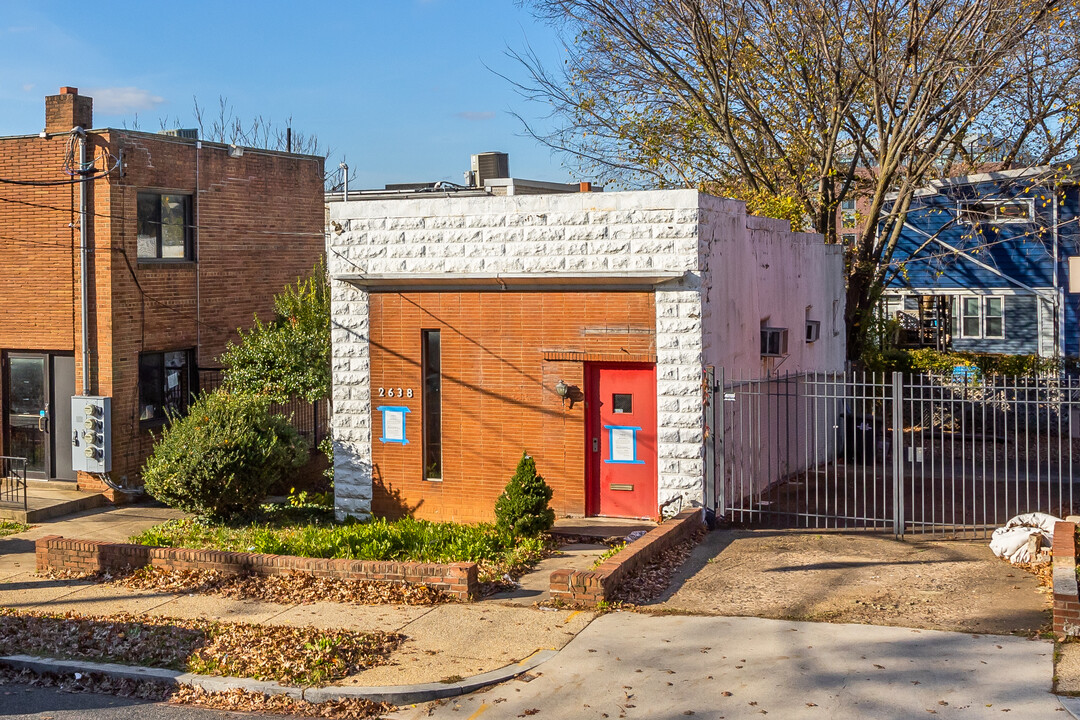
pixel 957 455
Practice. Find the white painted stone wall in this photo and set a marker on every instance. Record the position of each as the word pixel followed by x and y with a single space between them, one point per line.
pixel 603 233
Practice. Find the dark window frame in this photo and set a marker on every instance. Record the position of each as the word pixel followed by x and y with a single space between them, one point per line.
pixel 774 341
pixel 187 386
pixel 431 408
pixel 158 225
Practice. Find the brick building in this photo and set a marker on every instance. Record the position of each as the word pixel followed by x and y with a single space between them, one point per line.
pixel 185 241
pixel 469 328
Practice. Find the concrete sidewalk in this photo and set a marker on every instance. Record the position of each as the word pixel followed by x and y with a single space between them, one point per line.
pixel 627 665
pixel 445 641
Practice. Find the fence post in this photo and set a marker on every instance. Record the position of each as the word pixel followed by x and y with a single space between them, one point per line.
pixel 719 398
pixel 898 453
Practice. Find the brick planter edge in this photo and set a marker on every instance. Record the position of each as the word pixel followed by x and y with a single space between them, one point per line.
pixel 1066 603
pixel 591 587
pixel 459 580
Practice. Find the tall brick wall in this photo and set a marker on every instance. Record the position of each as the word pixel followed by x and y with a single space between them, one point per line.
pixel 498 396
pixel 260 226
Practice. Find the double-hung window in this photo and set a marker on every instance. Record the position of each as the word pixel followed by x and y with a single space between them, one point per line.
pixel 993 317
pixel 980 317
pixel 164 227
pixel 166 382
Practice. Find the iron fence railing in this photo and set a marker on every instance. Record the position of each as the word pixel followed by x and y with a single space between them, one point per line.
pixel 910 453
pixel 13 482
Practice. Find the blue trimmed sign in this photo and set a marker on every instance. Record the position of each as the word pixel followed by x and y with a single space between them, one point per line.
pixel 622 445
pixel 393 424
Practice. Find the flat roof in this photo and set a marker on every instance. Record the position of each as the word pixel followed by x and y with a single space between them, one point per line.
pixel 581 281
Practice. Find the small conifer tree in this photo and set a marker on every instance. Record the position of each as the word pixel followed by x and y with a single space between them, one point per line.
pixel 522 509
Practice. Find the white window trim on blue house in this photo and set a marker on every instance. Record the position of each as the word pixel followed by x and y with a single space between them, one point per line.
pixel 963 215
pixel 959 303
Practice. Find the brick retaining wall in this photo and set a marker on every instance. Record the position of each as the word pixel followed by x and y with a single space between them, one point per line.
pixel 1066 602
pixel 590 587
pixel 58 553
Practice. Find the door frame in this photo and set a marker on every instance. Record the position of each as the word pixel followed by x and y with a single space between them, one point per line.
pixel 591 380
pixel 52 446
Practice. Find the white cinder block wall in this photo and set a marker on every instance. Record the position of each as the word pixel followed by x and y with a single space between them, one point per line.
pixel 602 233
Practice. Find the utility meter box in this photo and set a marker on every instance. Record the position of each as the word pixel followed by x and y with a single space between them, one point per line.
pixel 91 434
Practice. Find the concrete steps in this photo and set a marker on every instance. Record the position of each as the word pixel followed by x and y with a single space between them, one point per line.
pixel 48 500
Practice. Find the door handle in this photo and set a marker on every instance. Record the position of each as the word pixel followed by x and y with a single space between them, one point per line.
pixel 596 444
pixel 41 421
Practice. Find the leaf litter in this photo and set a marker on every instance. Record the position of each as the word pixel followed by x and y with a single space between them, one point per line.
pixel 288 589
pixel 290 655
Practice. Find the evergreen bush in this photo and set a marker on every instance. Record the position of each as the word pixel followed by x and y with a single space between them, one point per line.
pixel 522 509
pixel 220 459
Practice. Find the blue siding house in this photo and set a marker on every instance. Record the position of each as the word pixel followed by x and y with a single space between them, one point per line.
pixel 983 264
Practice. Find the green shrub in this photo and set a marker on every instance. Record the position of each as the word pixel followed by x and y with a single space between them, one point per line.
pixel 221 458
pixel 405 539
pixel 522 509
pixel 928 360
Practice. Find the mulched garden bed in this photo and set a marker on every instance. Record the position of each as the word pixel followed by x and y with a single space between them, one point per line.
pixel 290 589
pixel 291 655
pixel 234 701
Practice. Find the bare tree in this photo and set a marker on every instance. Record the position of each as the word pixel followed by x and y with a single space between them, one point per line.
pixel 225 126
pixel 795 105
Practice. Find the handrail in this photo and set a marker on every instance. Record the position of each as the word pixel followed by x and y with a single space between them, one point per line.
pixel 13 481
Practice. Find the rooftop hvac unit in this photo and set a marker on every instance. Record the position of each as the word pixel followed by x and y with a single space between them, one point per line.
pixel 489 165
pixel 186 133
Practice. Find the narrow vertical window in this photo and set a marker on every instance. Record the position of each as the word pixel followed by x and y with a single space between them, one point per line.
pixel 432 362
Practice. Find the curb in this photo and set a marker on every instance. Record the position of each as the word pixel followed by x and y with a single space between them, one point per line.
pixel 394 694
pixel 1071 705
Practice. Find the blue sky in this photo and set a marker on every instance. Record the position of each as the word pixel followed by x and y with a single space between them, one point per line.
pixel 399 87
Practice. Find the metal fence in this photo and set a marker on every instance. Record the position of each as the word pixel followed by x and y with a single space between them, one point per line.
pixel 311 419
pixel 906 453
pixel 13 481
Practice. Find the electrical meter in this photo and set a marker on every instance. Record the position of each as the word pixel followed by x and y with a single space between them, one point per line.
pixel 91 434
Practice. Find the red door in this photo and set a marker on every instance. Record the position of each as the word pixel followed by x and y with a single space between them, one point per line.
pixel 621 439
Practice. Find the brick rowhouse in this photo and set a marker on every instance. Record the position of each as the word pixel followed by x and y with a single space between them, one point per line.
pixel 255 224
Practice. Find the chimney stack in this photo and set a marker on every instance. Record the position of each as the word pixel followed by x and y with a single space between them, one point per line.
pixel 67 110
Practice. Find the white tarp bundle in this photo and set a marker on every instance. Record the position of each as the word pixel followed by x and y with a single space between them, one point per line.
pixel 1011 542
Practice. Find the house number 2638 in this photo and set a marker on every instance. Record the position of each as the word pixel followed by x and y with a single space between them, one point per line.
pixel 395 392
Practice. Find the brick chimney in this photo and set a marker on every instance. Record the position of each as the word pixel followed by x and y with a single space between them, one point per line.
pixel 68 109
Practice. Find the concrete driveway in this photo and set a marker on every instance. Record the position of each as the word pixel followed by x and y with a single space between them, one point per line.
pixel 858 578
pixel 627 665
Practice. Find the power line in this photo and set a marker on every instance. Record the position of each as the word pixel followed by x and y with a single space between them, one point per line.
pixel 191 226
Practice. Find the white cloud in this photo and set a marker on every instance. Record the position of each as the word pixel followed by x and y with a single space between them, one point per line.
pixel 28 87
pixel 120 100
pixel 475 115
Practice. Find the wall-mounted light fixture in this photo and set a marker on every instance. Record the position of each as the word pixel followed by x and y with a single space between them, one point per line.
pixel 561 389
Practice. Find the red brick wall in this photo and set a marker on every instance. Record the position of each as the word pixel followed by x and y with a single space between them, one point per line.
pixel 57 553
pixel 260 227
pixel 260 219
pixel 1066 602
pixel 38 285
pixel 497 391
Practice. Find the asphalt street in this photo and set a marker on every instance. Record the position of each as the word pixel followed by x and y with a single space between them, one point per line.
pixel 22 702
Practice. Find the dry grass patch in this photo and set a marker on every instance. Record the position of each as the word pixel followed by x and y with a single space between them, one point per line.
pixel 295 656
